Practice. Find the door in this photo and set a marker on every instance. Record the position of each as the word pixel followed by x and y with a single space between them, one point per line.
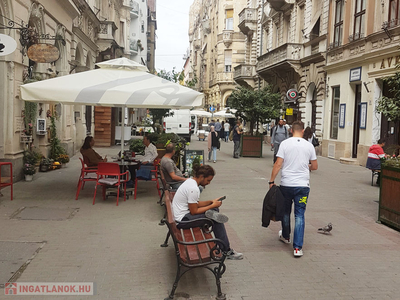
pixel 314 110
pixel 356 127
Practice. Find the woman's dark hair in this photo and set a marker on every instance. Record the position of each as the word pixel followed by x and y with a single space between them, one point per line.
pixel 204 171
pixel 307 133
pixel 86 143
pixel 382 141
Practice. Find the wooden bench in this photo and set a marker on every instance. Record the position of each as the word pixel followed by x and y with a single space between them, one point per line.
pixel 194 247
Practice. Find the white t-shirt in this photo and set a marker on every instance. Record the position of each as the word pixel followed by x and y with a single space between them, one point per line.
pixel 296 153
pixel 227 126
pixel 187 193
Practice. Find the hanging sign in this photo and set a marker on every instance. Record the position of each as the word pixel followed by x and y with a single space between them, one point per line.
pixel 292 95
pixel 289 111
pixel 43 53
pixel 7 45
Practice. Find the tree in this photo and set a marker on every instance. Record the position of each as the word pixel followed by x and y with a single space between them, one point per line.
pixel 390 106
pixel 255 106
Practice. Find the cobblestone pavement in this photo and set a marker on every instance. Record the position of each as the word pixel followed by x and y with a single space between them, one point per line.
pixel 118 248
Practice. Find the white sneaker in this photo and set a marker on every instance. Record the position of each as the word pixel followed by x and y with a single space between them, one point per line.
pixel 232 254
pixel 215 161
pixel 281 238
pixel 298 252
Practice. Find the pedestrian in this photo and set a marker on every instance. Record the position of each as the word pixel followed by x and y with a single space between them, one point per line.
pixel 186 207
pixel 279 134
pixel 218 127
pixel 297 158
pixel 212 123
pixel 270 134
pixel 227 126
pixel 237 132
pixel 308 134
pixel 375 153
pixel 221 134
pixel 213 143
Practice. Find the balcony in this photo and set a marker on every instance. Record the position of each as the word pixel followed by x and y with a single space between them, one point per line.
pixel 133 46
pixel 284 57
pixel 244 74
pixel 206 26
pixel 248 20
pixel 279 4
pixel 134 9
pixel 227 37
pixel 107 30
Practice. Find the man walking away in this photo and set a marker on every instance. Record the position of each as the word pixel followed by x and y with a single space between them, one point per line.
pixel 218 127
pixel 279 134
pixel 297 158
pixel 227 126
pixel 237 132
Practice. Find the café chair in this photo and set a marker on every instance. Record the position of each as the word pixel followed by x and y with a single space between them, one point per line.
pixel 87 174
pixel 109 175
pixel 153 175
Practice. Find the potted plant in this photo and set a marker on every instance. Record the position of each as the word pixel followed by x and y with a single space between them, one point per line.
pixel 254 107
pixel 29 171
pixel 136 145
pixel 389 209
pixel 63 159
pixel 46 164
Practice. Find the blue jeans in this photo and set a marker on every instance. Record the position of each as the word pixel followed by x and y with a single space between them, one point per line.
pixel 298 195
pixel 226 136
pixel 214 153
pixel 218 228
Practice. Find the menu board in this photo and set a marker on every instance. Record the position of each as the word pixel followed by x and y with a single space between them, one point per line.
pixel 190 155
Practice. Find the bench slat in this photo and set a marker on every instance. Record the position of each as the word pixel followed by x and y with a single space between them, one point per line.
pixel 191 249
pixel 203 248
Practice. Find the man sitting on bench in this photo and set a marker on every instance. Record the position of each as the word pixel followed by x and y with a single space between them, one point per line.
pixel 186 206
pixel 173 176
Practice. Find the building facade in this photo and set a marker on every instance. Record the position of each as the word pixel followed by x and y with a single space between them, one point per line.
pixel 216 47
pixel 84 32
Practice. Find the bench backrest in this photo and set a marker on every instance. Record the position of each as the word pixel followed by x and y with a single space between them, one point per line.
pixel 175 232
pixel 163 181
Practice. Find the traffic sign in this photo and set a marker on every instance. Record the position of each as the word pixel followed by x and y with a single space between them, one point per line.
pixel 292 95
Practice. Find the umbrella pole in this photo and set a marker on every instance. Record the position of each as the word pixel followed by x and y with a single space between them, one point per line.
pixel 123 130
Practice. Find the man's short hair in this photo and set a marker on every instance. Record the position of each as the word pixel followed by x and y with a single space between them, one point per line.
pixel 170 148
pixel 205 171
pixel 297 126
pixel 382 141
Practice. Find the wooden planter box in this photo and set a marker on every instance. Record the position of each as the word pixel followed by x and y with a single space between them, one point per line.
pixel 251 146
pixel 389 198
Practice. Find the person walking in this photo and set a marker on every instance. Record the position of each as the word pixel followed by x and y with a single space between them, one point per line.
pixel 212 144
pixel 227 126
pixel 308 134
pixel 270 135
pixel 297 158
pixel 237 132
pixel 218 127
pixel 221 134
pixel 187 207
pixel 279 134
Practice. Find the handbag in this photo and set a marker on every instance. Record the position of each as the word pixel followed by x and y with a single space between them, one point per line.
pixel 315 141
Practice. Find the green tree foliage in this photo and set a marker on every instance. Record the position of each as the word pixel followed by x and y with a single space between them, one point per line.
pixel 390 106
pixel 255 106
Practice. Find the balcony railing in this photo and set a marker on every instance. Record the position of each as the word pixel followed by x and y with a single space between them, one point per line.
pixel 133 46
pixel 278 4
pixel 244 71
pixel 134 8
pixel 248 20
pixel 356 36
pixel 107 30
pixel 227 37
pixel 289 51
pixel 392 23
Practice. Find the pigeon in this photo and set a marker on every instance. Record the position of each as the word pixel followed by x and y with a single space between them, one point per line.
pixel 326 229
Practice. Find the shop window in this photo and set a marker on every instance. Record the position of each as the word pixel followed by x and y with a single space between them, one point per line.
pixel 228 60
pixel 335 112
pixel 229 19
pixel 338 29
pixel 394 13
pixel 359 20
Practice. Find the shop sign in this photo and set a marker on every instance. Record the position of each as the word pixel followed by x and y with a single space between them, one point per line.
pixel 7 45
pixel 292 95
pixel 390 61
pixel 43 53
pixel 355 74
pixel 289 111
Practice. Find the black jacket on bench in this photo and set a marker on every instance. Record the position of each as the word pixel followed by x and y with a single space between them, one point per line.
pixel 273 207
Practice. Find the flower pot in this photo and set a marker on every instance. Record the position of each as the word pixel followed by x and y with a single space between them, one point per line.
pixel 389 205
pixel 28 177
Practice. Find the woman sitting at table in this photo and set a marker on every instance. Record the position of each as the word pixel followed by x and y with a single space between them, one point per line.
pixel 91 157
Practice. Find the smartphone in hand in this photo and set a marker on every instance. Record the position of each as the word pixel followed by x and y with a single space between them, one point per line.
pixel 222 198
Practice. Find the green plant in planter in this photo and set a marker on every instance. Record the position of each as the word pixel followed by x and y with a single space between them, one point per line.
pixel 46 164
pixel 63 158
pixel 29 169
pixel 32 157
pixel 55 145
pixel 136 145
pixel 393 162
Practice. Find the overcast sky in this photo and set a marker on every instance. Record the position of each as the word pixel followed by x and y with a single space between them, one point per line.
pixel 172 33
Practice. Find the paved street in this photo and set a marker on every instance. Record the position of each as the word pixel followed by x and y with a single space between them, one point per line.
pixel 118 247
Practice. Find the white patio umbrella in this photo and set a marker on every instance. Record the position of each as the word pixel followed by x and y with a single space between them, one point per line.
pixel 200 113
pixel 224 114
pixel 118 83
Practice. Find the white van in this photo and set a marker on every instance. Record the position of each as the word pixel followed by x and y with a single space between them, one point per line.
pixel 179 123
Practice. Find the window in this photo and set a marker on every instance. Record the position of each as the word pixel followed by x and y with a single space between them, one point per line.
pixel 338 31
pixel 229 19
pixel 122 33
pixel 359 20
pixel 394 13
pixel 142 27
pixel 228 61
pixel 335 112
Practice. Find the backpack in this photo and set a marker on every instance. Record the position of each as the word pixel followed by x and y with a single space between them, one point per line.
pixel 231 135
pixel 315 141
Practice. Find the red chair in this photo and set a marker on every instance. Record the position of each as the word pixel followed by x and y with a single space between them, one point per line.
pixel 86 173
pixel 104 170
pixel 154 177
